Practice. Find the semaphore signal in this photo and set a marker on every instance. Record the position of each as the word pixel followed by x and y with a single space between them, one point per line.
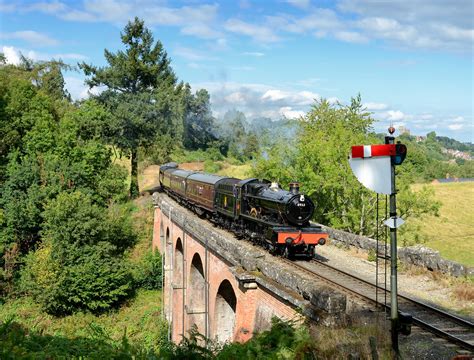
pixel 374 167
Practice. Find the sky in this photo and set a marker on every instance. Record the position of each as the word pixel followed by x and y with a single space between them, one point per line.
pixel 411 61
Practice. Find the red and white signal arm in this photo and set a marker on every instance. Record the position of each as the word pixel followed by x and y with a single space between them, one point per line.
pixel 371 164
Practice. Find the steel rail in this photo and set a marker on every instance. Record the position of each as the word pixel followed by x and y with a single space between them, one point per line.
pixel 407 301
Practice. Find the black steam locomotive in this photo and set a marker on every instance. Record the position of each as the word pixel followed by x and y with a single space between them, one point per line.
pixel 251 208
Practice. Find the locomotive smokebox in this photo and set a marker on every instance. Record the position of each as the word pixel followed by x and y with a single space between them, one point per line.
pixel 295 187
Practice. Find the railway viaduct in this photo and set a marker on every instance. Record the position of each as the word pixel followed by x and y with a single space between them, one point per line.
pixel 228 288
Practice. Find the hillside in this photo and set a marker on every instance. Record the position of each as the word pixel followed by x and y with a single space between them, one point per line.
pixel 452 233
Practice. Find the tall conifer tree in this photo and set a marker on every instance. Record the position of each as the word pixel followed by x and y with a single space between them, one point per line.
pixel 139 83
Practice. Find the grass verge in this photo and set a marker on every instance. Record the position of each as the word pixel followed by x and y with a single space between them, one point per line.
pixel 452 233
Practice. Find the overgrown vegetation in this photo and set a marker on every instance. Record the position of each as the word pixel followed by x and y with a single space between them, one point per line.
pixel 78 277
pixel 341 202
pixel 284 340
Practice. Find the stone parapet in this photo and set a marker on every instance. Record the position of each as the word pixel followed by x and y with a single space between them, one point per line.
pixel 414 255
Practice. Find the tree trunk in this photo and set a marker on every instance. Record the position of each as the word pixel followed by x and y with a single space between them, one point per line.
pixel 134 191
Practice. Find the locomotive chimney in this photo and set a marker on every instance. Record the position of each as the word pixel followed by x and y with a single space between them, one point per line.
pixel 294 187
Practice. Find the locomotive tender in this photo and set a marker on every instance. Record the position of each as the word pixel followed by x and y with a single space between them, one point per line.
pixel 257 209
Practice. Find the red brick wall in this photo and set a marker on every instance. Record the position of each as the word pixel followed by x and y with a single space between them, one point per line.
pixel 254 307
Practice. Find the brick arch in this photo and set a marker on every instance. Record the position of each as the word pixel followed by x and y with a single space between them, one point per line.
pixel 162 236
pixel 178 264
pixel 197 294
pixel 225 312
pixel 168 247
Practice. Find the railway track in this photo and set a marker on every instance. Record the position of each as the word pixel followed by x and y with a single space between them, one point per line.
pixel 454 329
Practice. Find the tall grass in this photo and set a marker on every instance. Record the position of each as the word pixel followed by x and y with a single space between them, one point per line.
pixel 452 233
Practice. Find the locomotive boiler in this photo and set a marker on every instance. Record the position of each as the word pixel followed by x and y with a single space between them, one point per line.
pixel 251 208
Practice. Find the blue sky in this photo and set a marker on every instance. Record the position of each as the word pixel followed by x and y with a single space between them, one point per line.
pixel 412 61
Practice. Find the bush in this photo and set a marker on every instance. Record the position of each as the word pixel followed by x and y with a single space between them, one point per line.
pixel 211 166
pixel 148 273
pixel 73 218
pixel 91 278
pixel 80 264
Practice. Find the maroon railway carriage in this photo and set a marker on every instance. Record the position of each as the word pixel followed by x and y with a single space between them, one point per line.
pixel 257 209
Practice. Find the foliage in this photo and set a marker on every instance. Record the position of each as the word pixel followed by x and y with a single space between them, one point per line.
pixel 49 150
pixel 90 278
pixel 236 141
pixel 211 166
pixel 20 343
pixel 427 159
pixel 449 143
pixel 79 265
pixel 199 123
pixel 318 159
pixel 148 273
pixel 141 92
pixel 284 341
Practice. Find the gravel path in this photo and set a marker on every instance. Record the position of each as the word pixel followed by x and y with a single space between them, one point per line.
pixel 420 344
pixel 422 286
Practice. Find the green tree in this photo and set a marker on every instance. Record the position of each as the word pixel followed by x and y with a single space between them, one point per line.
pixel 141 92
pixel 318 158
pixel 79 265
pixel 199 123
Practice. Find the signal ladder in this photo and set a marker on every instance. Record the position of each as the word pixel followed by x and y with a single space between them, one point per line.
pixel 382 260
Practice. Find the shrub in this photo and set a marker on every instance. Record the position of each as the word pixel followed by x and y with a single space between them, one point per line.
pixel 148 273
pixel 90 278
pixel 211 166
pixel 80 264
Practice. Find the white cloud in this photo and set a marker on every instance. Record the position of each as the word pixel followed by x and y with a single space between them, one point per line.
pixel 257 32
pixel 257 100
pixel 319 19
pixel 53 7
pixel 200 30
pixel 11 54
pixel 274 95
pixel 78 89
pixel 195 20
pixel 415 24
pixel 236 98
pixel 289 113
pixel 394 115
pixel 456 126
pixel 351 37
pixel 426 116
pixel 32 37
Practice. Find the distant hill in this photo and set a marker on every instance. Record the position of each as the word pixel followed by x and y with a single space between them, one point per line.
pixel 453 144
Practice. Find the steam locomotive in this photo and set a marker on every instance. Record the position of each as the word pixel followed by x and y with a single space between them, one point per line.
pixel 256 209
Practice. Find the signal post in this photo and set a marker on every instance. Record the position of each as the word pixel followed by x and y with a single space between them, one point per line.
pixel 374 167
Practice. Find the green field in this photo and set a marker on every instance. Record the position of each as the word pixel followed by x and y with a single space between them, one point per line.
pixel 452 233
